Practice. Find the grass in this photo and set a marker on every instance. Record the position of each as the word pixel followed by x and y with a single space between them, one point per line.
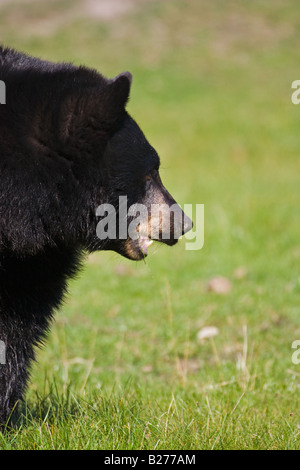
pixel 122 368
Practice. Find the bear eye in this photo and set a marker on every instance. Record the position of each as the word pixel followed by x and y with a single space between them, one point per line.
pixel 148 177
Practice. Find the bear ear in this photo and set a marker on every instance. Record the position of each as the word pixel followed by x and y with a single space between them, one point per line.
pixel 119 89
pixel 75 111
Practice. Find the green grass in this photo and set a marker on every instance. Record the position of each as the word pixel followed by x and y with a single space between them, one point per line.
pixel 122 368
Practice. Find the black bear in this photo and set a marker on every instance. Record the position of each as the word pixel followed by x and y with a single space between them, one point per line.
pixel 67 148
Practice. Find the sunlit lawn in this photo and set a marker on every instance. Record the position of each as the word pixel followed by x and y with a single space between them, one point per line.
pixel 123 368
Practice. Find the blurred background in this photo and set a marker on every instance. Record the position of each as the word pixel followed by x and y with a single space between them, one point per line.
pixel 212 92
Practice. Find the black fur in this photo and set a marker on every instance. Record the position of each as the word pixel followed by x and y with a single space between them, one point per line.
pixel 67 145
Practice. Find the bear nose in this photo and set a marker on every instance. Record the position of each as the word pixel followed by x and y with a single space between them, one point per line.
pixel 187 224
